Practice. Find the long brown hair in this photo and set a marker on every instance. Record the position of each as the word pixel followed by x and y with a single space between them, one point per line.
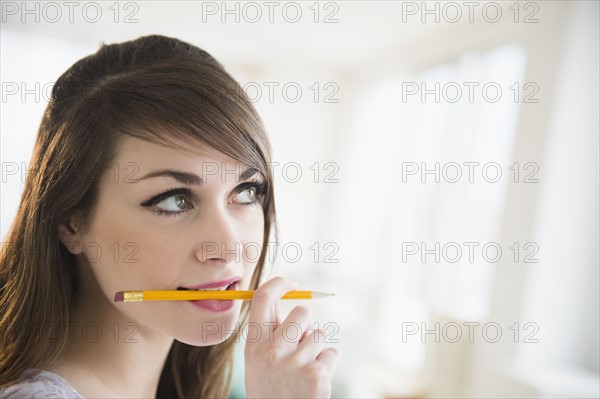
pixel 144 88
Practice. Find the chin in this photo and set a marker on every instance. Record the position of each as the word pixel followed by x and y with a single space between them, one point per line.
pixel 209 333
pixel 212 329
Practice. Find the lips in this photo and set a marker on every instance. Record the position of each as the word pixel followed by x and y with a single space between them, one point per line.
pixel 214 286
pixel 214 305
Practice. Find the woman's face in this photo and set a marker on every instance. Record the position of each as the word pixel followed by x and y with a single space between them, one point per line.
pixel 167 218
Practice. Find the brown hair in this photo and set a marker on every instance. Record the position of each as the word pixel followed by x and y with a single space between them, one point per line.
pixel 144 88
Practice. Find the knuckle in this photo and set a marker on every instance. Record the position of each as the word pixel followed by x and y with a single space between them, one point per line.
pixel 320 335
pixel 334 352
pixel 315 374
pixel 273 354
pixel 261 294
pixel 278 279
pixel 295 362
pixel 303 311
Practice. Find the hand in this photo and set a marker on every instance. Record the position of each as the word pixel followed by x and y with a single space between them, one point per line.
pixel 280 365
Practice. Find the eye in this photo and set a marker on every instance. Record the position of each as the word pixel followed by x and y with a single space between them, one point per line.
pixel 172 202
pixel 248 196
pixel 248 193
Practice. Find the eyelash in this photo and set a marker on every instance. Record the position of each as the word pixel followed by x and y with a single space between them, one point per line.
pixel 258 185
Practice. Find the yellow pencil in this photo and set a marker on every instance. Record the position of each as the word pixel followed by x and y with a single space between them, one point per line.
pixel 191 295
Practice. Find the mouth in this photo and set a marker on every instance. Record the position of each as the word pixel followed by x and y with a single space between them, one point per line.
pixel 228 284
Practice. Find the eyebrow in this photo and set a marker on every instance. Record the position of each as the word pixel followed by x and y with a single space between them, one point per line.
pixel 191 178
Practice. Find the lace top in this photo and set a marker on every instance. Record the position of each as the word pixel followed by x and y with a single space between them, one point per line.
pixel 46 385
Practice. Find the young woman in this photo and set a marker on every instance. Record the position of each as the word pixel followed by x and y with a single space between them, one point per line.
pixel 150 171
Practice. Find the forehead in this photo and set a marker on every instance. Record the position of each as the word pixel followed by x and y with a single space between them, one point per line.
pixel 145 155
pixel 138 158
pixel 133 149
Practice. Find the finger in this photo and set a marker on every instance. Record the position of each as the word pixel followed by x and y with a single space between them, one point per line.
pixel 277 314
pixel 292 329
pixel 329 358
pixel 263 306
pixel 312 345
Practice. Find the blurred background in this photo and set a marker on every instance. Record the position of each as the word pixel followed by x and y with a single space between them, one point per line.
pixel 436 168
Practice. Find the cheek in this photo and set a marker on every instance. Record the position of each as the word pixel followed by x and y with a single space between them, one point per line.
pixel 253 233
pixel 130 255
pixel 251 226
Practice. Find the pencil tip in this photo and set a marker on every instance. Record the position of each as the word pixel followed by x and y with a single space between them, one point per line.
pixel 119 296
pixel 317 294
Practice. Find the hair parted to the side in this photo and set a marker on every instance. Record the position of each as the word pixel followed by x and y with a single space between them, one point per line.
pixel 155 88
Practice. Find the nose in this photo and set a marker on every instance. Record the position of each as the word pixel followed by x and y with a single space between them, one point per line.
pixel 219 242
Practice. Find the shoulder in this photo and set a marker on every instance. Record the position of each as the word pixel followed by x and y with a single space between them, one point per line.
pixel 44 384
